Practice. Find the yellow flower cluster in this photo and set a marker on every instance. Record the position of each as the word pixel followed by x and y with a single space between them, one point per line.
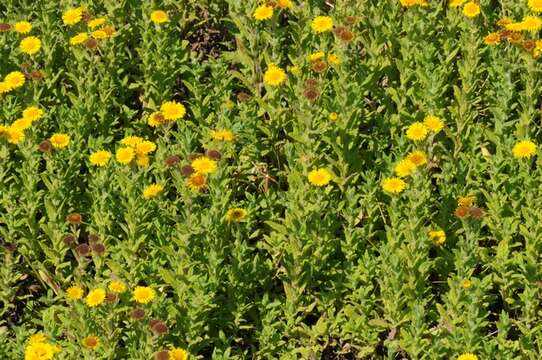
pixel 170 111
pixel 12 81
pixel 96 28
pixel 409 3
pixel 14 133
pixel 38 348
pixel 135 149
pixel 97 296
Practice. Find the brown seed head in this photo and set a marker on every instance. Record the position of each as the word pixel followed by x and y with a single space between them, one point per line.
pixel 45 146
pixel 159 328
pixel 5 27
pixel 243 97
pixel 346 35
pixel 74 218
pixel 214 154
pixel 83 249
pixel 319 66
pixel 70 241
pixel 528 45
pixel 172 160
pixel 91 44
pixel 137 313
pixel 111 297
pixel 162 355
pixel 477 213
pixel 311 83
pixel 187 170
pixel 93 238
pixel 311 94
pixel 462 212
pixel 98 248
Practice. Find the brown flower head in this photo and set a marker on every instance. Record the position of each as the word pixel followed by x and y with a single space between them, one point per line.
pixel 111 297
pixel 137 313
pixel 319 66
pixel 214 154
pixel 74 218
pixel 85 16
pixel 477 213
pixel 93 238
pixel 83 249
pixel 187 170
pixel 172 160
pixel 462 212
pixel 243 97
pixel 311 83
pixel 346 35
pixel 193 156
pixel 25 67
pixel 91 43
pixel 36 75
pixel 70 241
pixel 311 94
pixel 528 45
pixel 350 20
pixel 98 248
pixel 515 38
pixel 5 27
pixel 159 328
pixel 45 146
pixel 162 355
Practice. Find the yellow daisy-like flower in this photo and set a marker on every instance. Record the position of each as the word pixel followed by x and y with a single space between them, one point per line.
pixel 22 27
pixel 405 168
pixel 32 113
pixel 319 177
pixel 418 157
pixel 59 140
pixel 333 116
pixel 143 294
pixel 117 287
pixel 142 160
pixel 155 119
pixel 72 16
pixel 295 70
pixel 465 201
pixel 94 23
pixel 145 147
pixel 100 157
pixel 178 354
pixel 393 185
pixel 471 9
pixel 467 356
pixel 91 342
pixel 152 191
pixel 172 110
pixel 236 214
pixel 263 12
pixel 433 123
pixel 531 23
pixel 316 56
pixel 535 5
pixel 524 149
pixel 159 17
pixel 30 45
pixel 4 88
pixel 125 155
pixel 74 293
pixel 274 76
pixel 204 165
pixel 457 3
pixel 223 135
pixel 95 297
pixel 283 4
pixel 322 24
pixel 197 182
pixel 466 284
pixel 409 3
pixel 417 131
pixel 437 236
pixel 99 34
pixel 333 59
pixel 132 140
pixel 39 351
pixel 492 38
pixel 14 135
pixel 14 80
pixel 37 338
pixel 21 124
pixel 78 39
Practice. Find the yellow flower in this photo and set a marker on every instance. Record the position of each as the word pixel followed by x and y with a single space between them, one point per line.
pixel 30 45
pixel 4 88
pixel 492 38
pixel 333 59
pixel 236 214
pixel 145 147
pixel 21 124
pixel 531 23
pixel 125 155
pixel 263 12
pixel 322 24
pixel 59 140
pixel 457 3
pixel 131 140
pixel 437 236
pixel 393 185
pixel 524 149
pixel 39 351
pixel 316 56
pixel 283 4
pixel 417 131
pixel 319 177
pixel 14 135
pixel 37 338
pixel 99 34
pixel 409 3
pixel 14 80
pixel 117 287
pixel 465 201
pixel 418 157
pixel 91 342
pixel 78 39
pixel 32 113
pixel 204 165
pixel 224 135
pixel 23 27
pixel 159 17
pixel 72 16
pixel 535 5
pixel 197 182
pixel 172 110
pixel 404 168
pixel 295 70
pixel 433 123
pixel 94 23
pixel 152 191
pixel 143 294
pixel 471 9
pixel 274 76
pixel 74 293
pixel 467 356
pixel 155 119
pixel 100 157
pixel 95 297
pixel 178 354
pixel 466 284
pixel 333 116
pixel 142 160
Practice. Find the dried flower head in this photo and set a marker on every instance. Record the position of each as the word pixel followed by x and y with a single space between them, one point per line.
pixel 83 249
pixel 137 313
pixel 74 218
